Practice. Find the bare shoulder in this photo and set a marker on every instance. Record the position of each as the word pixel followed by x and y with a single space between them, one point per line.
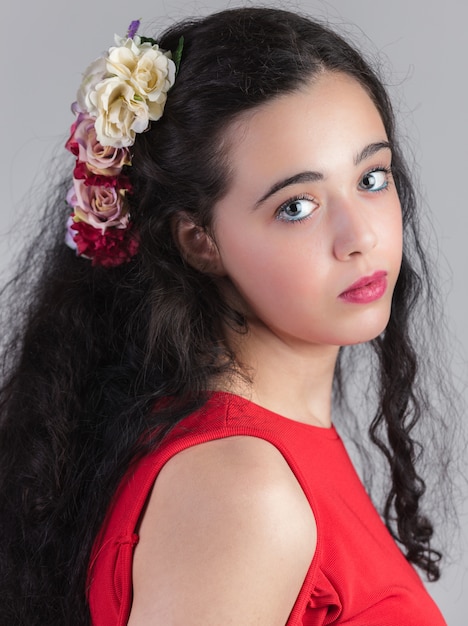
pixel 227 538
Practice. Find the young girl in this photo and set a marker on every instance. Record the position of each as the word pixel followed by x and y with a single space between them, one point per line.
pixel 238 215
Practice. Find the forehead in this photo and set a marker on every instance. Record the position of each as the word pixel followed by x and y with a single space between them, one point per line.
pixel 326 118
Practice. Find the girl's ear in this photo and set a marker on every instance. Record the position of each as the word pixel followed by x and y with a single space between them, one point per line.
pixel 196 245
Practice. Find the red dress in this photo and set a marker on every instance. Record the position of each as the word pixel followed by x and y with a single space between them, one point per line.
pixel 357 577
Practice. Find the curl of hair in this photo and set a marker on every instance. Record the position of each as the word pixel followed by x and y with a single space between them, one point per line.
pixel 92 350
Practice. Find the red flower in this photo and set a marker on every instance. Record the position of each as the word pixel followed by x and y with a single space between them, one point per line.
pixel 72 144
pixel 81 172
pixel 109 249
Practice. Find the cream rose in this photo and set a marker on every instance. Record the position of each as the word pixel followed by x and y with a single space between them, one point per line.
pixel 121 113
pixel 126 90
pixel 91 77
pixel 147 69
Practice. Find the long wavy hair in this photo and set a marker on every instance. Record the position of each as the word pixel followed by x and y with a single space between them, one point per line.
pixel 89 351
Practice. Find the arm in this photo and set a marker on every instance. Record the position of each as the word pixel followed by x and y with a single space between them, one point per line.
pixel 227 538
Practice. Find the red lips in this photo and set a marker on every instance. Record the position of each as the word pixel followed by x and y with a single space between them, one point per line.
pixel 366 289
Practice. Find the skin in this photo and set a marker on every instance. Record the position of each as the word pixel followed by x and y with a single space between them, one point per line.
pixel 223 513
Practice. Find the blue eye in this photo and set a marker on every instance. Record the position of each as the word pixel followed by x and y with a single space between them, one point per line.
pixel 296 209
pixel 376 180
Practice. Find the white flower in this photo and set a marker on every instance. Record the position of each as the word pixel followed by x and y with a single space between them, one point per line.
pixel 121 113
pixel 149 70
pixel 93 75
pixel 154 75
pixel 126 90
pixel 126 41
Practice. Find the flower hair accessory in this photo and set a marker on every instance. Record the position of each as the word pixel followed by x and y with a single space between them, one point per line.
pixel 121 93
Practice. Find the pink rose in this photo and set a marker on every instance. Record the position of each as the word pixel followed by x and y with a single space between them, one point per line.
pixel 83 143
pixel 101 207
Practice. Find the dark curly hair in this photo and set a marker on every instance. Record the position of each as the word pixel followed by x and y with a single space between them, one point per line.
pixel 91 350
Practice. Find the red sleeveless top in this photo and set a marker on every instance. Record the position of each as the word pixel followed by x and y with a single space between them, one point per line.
pixel 357 577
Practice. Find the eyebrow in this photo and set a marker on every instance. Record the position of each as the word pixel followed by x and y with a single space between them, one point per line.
pixel 370 150
pixel 312 177
pixel 302 177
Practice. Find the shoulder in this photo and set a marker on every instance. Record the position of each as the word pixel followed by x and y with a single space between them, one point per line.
pixel 228 529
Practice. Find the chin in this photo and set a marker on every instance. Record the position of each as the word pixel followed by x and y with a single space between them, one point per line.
pixel 364 331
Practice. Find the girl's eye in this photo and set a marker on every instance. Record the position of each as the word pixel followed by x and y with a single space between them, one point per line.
pixel 376 180
pixel 296 210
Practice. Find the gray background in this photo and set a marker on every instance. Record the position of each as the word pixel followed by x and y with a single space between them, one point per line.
pixel 422 46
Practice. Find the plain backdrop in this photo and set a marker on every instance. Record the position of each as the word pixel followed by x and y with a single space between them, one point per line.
pixel 421 46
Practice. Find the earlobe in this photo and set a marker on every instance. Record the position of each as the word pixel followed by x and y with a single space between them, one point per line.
pixel 197 246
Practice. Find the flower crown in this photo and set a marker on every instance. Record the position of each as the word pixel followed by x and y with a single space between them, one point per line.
pixel 120 94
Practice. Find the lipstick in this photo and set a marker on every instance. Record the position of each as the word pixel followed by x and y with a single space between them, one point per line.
pixel 366 289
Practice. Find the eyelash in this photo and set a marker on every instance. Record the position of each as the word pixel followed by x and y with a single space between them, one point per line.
pixel 380 168
pixel 290 201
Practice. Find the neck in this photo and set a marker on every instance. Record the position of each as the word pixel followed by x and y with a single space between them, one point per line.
pixel 284 376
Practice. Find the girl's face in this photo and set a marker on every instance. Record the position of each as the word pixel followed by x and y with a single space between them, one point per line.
pixel 309 233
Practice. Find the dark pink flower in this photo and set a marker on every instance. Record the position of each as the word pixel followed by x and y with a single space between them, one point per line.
pixel 109 249
pixel 81 172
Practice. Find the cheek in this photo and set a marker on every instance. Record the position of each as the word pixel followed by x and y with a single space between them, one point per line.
pixel 271 272
pixel 395 235
pixel 253 267
pixel 390 235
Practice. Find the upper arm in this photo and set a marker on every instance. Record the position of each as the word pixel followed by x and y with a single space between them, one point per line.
pixel 227 538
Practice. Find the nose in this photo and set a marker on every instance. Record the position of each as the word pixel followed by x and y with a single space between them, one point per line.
pixel 352 228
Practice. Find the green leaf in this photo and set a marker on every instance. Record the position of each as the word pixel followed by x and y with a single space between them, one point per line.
pixel 177 56
pixel 148 40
